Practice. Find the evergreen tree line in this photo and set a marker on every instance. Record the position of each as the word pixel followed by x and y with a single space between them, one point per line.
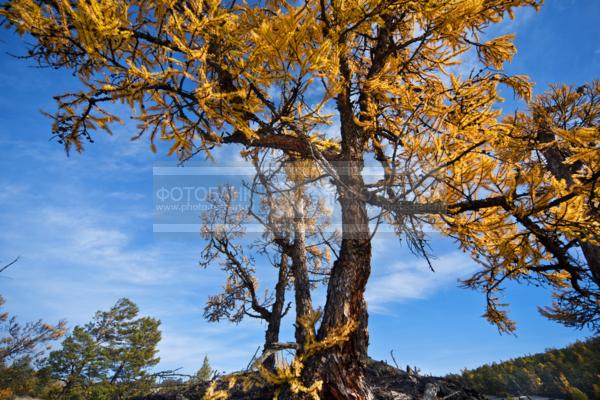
pixel 572 372
pixel 111 357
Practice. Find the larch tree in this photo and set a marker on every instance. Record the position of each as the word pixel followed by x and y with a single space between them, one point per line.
pixel 274 75
pixel 22 345
pixel 539 221
pixel 20 342
pixel 293 238
pixel 555 150
pixel 223 228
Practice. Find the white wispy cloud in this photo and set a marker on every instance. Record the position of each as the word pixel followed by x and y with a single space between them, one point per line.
pixel 409 280
pixel 126 195
pixel 89 239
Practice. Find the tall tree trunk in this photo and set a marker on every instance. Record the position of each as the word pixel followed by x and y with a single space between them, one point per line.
pixel 592 256
pixel 300 270
pixel 274 323
pixel 342 367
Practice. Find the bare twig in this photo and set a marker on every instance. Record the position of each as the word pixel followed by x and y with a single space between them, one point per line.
pixel 394 359
pixel 9 264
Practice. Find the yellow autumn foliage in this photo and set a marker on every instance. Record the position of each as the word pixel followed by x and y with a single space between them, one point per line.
pixel 279 75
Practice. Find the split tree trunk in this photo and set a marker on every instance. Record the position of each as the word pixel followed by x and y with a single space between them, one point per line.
pixel 342 367
pixel 274 323
pixel 300 271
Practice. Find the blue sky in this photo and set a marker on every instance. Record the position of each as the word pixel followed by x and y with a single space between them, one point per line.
pixel 83 227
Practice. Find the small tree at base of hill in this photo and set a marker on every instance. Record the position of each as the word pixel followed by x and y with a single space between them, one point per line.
pixel 205 373
pixel 21 345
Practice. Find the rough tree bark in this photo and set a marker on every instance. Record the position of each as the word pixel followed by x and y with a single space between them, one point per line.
pixel 342 367
pixel 555 161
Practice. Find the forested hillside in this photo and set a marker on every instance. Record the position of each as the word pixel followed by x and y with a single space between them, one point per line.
pixel 562 373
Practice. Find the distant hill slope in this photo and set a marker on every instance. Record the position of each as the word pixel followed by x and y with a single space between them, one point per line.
pixel 561 373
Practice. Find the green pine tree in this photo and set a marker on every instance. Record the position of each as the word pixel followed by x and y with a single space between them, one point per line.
pixel 109 357
pixel 205 373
